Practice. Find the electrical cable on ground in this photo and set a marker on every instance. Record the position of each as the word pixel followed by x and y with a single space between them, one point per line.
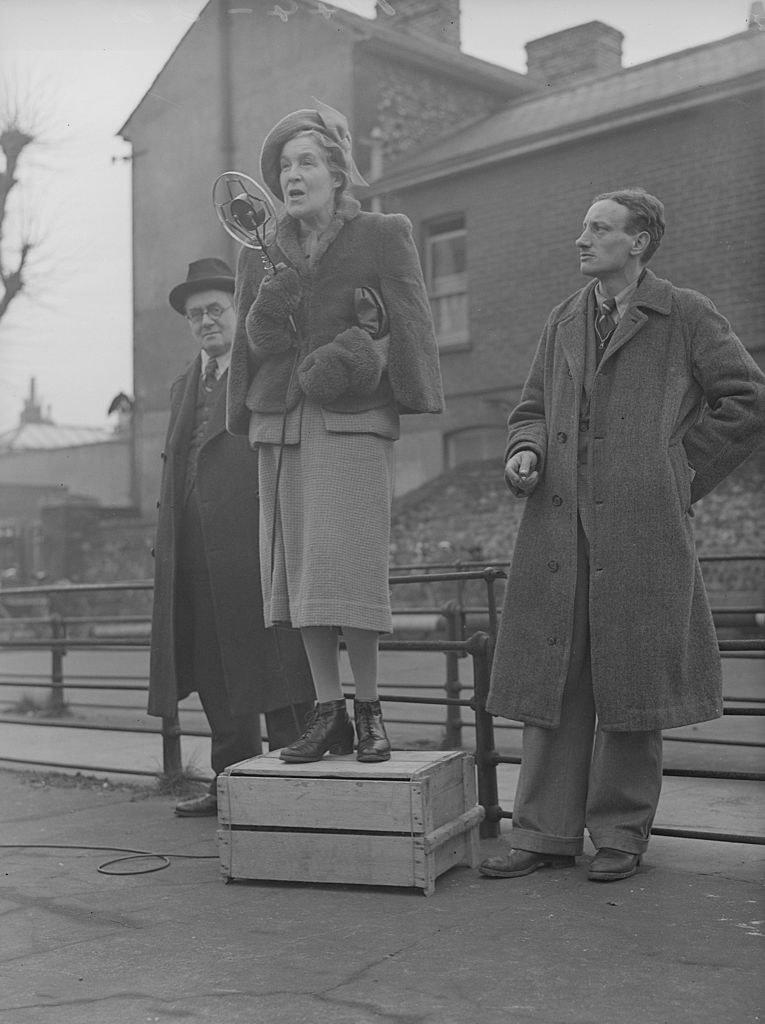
pixel 133 855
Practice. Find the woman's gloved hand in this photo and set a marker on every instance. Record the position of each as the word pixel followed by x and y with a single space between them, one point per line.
pixel 279 293
pixel 267 321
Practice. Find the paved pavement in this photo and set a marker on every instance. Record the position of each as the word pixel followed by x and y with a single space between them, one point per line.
pixel 680 943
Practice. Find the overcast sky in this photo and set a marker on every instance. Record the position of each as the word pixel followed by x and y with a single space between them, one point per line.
pixel 83 66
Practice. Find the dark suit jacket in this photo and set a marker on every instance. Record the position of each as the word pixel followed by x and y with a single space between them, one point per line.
pixel 260 675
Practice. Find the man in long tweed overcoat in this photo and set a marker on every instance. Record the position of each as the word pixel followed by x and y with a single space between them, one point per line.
pixel 207 630
pixel 639 401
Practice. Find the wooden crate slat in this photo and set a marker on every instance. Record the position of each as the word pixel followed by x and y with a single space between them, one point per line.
pixel 403 764
pixel 318 857
pixel 311 803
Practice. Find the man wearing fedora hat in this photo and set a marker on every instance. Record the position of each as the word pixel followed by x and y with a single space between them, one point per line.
pixel 207 632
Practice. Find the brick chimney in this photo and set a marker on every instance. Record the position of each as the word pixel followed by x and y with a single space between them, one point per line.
pixel 585 51
pixel 436 19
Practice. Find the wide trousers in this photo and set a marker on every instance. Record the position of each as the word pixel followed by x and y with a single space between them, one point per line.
pixel 578 776
pixel 232 738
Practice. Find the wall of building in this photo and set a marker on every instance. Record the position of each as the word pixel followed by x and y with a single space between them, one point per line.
pixel 411 106
pixel 100 472
pixel 522 217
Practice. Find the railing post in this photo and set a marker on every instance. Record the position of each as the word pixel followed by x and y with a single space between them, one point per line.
pixel 56 703
pixel 491 575
pixel 452 612
pixel 171 745
pixel 481 649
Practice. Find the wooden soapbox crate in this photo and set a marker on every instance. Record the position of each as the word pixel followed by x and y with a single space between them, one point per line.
pixel 401 822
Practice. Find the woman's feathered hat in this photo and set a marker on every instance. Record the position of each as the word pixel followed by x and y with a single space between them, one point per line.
pixel 324 119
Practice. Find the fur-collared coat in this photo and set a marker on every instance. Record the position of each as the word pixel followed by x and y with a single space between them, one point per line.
pixel 227 487
pixel 676 404
pixel 357 250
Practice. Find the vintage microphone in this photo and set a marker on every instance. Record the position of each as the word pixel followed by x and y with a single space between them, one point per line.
pixel 245 210
pixel 248 218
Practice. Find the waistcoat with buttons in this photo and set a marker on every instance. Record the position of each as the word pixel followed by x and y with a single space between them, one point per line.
pixel 205 404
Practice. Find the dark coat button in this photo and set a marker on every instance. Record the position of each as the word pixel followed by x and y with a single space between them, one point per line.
pixel 157 504
pixel 553 566
pixel 552 640
pixel 163 456
pixel 557 500
pixel 562 436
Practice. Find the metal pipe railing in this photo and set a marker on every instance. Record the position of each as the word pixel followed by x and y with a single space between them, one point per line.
pixel 478 647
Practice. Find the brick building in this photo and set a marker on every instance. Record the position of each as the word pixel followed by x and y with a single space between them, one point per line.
pixel 494 168
pixel 503 200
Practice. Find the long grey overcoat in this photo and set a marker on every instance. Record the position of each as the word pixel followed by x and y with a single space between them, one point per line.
pixel 676 404
pixel 257 677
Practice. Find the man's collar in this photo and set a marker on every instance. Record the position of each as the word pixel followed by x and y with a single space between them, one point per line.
pixel 224 362
pixel 623 298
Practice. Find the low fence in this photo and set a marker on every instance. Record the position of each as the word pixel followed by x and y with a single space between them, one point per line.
pixel 60 633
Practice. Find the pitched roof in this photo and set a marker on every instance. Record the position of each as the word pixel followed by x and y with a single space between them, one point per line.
pixel 48 436
pixel 679 80
pixel 393 43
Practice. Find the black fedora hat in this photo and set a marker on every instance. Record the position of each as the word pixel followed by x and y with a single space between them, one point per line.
pixel 202 274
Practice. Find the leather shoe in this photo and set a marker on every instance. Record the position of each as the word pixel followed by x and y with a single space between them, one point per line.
pixel 198 807
pixel 611 865
pixel 328 728
pixel 373 742
pixel 522 862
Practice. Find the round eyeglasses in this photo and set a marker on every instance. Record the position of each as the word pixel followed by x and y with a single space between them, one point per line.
pixel 197 313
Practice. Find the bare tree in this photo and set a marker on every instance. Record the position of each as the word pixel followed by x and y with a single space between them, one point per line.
pixel 20 127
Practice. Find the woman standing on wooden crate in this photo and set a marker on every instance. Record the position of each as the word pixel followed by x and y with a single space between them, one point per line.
pixel 329 350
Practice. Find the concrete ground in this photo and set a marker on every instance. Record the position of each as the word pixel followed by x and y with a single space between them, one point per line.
pixel 679 943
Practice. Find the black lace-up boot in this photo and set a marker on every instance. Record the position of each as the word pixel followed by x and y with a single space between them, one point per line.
pixel 373 742
pixel 328 728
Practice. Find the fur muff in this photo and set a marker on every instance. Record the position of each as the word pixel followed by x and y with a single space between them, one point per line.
pixel 354 361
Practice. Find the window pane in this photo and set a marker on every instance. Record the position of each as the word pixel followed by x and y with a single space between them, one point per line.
pixel 448 256
pixel 450 318
pixel 446 270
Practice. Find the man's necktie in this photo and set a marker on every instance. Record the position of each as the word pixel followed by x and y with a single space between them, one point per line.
pixel 605 325
pixel 210 375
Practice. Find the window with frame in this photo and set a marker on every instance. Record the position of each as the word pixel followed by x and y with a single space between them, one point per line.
pixel 446 279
